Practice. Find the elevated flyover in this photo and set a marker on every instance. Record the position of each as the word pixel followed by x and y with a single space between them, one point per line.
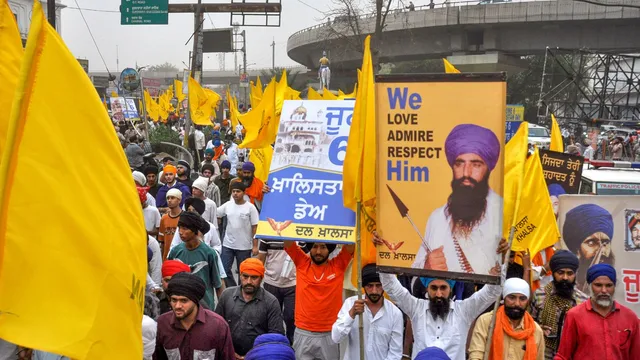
pixel 474 36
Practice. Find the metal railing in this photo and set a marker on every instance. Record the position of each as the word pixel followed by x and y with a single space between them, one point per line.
pixel 446 4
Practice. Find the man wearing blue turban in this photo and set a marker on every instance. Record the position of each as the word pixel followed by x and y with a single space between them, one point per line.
pixel 473 210
pixel 587 232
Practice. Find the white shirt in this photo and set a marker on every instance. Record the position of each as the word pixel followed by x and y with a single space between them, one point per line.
pixel 151 201
pixel 240 219
pixel 149 331
pixel 239 130
pixel 449 335
pixel 479 247
pixel 199 137
pixel 232 155
pixel 382 333
pixel 151 218
pixel 210 213
pixel 155 265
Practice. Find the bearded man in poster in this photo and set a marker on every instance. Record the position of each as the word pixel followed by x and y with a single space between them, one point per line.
pixel 464 232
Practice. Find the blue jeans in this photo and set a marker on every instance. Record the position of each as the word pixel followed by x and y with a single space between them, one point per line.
pixel 228 255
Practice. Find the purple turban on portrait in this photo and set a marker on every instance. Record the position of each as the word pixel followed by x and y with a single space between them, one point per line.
pixel 472 139
pixel 556 190
pixel 584 221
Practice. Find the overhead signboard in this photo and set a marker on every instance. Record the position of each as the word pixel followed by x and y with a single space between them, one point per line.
pixel 144 12
pixel 217 40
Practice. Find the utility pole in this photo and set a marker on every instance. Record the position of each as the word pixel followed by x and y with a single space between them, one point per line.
pixel 273 54
pixel 244 65
pixel 196 65
pixel 51 13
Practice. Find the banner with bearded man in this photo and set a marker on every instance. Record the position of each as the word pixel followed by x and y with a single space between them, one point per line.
pixel 440 174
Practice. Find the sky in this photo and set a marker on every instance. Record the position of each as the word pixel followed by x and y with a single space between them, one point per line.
pixel 157 44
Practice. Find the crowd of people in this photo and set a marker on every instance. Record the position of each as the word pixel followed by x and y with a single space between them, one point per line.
pixel 286 299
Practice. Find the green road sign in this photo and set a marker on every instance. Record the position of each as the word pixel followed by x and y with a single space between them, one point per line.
pixel 144 12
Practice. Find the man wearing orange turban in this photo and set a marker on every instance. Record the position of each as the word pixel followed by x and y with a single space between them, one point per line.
pixel 249 310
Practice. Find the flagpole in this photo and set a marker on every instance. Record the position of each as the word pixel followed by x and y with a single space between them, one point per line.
pixel 492 325
pixel 359 270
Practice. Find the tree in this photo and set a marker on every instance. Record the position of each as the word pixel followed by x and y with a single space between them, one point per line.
pixel 166 67
pixel 266 75
pixel 352 23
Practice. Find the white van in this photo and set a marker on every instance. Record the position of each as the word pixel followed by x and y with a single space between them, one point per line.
pixel 603 177
pixel 539 136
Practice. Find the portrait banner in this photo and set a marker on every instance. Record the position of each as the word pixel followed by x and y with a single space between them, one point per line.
pixel 604 229
pixel 440 174
pixel 305 202
pixel 562 169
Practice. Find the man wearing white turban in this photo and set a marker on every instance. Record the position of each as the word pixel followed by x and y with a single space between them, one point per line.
pixel 470 222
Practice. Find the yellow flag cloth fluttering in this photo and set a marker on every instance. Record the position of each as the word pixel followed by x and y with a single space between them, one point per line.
pixel 261 123
pixel 83 246
pixel 537 227
pixel 178 89
pixel 328 95
pixel 357 167
pixel 312 94
pixel 151 106
pixel 515 154
pixel 201 102
pixel 556 136
pixel 261 158
pixel 10 58
pixel 449 68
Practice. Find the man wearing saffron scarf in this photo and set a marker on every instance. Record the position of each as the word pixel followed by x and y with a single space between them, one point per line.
pixel 472 211
pixel 515 333
pixel 254 186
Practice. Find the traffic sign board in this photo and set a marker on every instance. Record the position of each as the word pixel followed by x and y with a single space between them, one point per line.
pixel 144 12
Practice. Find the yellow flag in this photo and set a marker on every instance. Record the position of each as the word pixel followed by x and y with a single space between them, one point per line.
pixel 151 106
pixel 256 93
pixel 312 94
pixel 292 94
pixel 104 102
pixel 449 68
pixel 261 158
pixel 341 95
pixel 556 136
pixel 179 94
pixel 536 225
pixel 163 107
pixel 261 123
pixel 114 94
pixel 233 110
pixel 281 90
pixel 328 95
pixel 201 103
pixel 214 97
pixel 88 258
pixel 515 154
pixel 358 173
pixel 10 57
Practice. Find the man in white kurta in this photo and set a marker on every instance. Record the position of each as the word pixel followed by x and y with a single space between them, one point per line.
pixel 382 322
pixel 468 227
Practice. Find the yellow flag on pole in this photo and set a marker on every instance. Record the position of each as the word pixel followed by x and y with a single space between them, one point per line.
pixel 114 94
pixel 261 123
pixel 151 106
pixel 537 227
pixel 515 154
pixel 92 271
pixel 449 68
pixel 10 58
pixel 178 88
pixel 312 94
pixel 328 95
pixel 359 171
pixel 201 103
pixel 261 158
pixel 556 136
